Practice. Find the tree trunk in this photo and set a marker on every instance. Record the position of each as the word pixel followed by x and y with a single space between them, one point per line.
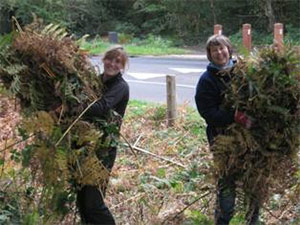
pixel 269 12
pixel 213 11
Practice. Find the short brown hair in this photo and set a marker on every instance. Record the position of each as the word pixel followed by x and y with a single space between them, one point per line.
pixel 215 40
pixel 116 52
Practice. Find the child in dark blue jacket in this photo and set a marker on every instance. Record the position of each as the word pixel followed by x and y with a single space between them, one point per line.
pixel 209 98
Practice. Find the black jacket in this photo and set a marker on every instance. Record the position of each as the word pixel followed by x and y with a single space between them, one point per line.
pixel 115 97
pixel 209 97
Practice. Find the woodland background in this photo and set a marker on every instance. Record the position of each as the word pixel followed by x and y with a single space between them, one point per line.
pixel 188 22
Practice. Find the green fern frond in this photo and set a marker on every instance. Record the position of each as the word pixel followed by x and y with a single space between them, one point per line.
pixel 61 159
pixel 265 86
pixel 51 78
pixel 40 121
pixel 87 134
pixel 70 93
pixel 44 122
pixel 36 97
pixel 15 85
pixel 15 69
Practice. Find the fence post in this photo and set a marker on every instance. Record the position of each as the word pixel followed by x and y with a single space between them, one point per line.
pixel 171 100
pixel 278 35
pixel 247 36
pixel 217 29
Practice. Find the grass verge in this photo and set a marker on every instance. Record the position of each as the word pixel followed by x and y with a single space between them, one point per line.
pixel 168 179
pixel 150 46
pixel 148 190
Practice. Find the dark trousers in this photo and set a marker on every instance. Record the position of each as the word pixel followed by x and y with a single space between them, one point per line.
pixel 90 201
pixel 226 202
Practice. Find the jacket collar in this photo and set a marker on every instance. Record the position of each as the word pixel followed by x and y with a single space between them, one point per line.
pixel 110 80
pixel 214 69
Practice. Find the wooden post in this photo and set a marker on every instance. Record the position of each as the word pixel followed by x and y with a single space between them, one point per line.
pixel 217 29
pixel 171 100
pixel 247 36
pixel 278 35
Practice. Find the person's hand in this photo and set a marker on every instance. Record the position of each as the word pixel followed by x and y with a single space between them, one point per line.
pixel 243 119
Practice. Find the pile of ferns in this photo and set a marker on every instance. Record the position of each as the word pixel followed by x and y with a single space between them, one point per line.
pixel 265 159
pixel 52 79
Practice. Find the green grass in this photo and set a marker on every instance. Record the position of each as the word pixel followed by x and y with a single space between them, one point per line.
pixel 156 45
pixel 139 108
pixel 142 186
pixel 150 46
pixel 156 177
pixel 96 46
pixel 193 123
pixel 153 50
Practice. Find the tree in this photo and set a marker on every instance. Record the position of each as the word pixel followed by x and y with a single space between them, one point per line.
pixel 269 12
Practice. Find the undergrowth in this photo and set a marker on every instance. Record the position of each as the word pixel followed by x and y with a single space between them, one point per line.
pixel 164 180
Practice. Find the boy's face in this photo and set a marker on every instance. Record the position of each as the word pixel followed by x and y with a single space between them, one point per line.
pixel 220 55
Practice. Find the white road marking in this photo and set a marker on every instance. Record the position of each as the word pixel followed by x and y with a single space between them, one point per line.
pixel 201 57
pixel 159 83
pixel 144 76
pixel 188 70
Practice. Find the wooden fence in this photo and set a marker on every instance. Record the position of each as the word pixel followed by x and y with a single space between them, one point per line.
pixel 247 39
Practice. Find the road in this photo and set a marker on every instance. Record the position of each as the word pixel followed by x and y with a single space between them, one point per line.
pixel 146 76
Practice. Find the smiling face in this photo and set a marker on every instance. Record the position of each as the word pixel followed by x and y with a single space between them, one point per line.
pixel 218 50
pixel 114 62
pixel 113 66
pixel 220 54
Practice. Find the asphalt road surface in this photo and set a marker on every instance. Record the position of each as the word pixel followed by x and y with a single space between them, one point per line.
pixel 146 76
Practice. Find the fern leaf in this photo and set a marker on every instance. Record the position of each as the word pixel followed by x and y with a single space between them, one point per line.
pixel 82 39
pixel 52 30
pixel 62 36
pixel 36 97
pixel 58 33
pixel 91 172
pixel 15 85
pixel 46 29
